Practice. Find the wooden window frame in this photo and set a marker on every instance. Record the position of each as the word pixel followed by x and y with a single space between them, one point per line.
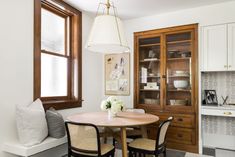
pixel 74 93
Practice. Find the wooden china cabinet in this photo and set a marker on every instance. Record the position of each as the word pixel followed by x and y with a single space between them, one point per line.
pixel 166 81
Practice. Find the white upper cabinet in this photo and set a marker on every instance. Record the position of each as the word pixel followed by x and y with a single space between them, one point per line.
pixel 214 48
pixel 218 48
pixel 231 46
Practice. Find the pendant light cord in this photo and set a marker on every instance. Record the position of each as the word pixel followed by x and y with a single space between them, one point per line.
pixel 108 5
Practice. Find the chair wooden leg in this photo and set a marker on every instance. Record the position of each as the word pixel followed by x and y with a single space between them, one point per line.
pixel 164 153
pixel 114 141
pixel 69 154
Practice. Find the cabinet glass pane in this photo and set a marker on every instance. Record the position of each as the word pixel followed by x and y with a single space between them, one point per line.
pixel 53 32
pixel 178 72
pixel 53 75
pixel 149 71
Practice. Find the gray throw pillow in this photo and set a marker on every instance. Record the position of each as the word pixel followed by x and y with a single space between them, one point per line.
pixel 55 123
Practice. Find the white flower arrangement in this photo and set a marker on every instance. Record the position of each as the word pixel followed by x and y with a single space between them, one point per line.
pixel 113 104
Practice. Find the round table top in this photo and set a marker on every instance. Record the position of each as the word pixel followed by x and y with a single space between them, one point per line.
pixel 123 119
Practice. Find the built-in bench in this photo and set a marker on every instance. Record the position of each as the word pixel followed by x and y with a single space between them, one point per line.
pixel 20 150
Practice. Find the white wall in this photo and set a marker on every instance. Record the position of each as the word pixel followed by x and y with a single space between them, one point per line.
pixel 207 15
pixel 16 68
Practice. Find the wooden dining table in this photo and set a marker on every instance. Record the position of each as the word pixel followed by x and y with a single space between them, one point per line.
pixel 122 121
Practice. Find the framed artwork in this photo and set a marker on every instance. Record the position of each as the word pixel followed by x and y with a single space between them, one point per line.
pixel 211 97
pixel 117 74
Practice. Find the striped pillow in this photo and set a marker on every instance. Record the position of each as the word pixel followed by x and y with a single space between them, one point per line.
pixel 55 123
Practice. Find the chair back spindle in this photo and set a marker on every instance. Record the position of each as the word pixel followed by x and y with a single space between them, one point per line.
pixel 162 131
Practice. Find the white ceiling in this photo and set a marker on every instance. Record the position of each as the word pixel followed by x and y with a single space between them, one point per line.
pixel 128 9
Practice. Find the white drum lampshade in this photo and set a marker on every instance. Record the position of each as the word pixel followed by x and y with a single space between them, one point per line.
pixel 107 35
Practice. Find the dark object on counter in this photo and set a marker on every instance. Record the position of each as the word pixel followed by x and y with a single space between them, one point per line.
pixel 211 97
pixel 225 100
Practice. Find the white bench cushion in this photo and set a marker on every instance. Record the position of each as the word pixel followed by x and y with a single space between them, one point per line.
pixel 18 149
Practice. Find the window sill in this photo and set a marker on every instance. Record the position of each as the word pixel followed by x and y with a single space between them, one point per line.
pixel 62 104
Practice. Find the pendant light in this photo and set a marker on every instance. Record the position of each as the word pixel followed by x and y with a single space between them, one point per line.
pixel 107 33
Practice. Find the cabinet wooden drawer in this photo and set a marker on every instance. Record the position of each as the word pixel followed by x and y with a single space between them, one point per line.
pixel 181 135
pixel 186 121
pixel 183 121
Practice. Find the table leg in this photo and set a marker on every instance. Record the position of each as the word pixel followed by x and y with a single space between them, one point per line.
pixel 124 144
pixel 144 131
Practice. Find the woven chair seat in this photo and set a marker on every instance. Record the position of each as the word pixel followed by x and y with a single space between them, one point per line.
pixel 143 143
pixel 105 148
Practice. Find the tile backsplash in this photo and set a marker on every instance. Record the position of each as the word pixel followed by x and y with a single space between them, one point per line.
pixel 222 82
pixel 218 125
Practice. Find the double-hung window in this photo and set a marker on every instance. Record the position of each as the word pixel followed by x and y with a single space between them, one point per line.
pixel 57 54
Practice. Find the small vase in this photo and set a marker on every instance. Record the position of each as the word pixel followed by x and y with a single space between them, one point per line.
pixel 111 114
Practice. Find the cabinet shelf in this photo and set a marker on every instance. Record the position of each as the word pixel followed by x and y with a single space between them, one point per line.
pixel 179 42
pixel 150 45
pixel 179 90
pixel 150 90
pixel 181 58
pixel 150 60
pixel 172 76
pixel 151 77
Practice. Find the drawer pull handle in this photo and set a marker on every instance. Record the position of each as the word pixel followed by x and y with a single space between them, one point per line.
pixel 227 113
pixel 180 120
pixel 180 135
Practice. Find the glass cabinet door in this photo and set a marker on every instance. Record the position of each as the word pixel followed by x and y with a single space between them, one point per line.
pixel 178 69
pixel 149 59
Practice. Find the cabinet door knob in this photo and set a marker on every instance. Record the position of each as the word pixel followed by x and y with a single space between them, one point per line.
pixel 225 66
pixel 229 66
pixel 180 119
pixel 227 113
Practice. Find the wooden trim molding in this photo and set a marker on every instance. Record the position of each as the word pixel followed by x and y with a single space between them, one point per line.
pixel 74 96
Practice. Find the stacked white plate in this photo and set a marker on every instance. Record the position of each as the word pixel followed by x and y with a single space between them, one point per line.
pixel 181 73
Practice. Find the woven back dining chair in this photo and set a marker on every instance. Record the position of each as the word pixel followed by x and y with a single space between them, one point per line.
pixel 134 132
pixel 144 146
pixel 84 141
pixel 131 132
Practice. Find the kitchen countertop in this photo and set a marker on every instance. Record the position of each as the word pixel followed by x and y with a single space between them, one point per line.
pixel 223 107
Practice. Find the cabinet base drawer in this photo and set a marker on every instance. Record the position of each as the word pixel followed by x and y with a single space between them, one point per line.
pixel 181 135
pixel 180 120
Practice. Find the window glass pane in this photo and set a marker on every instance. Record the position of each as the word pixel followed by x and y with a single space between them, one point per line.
pixel 52 32
pixel 53 75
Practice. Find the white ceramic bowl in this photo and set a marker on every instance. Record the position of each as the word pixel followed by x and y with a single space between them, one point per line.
pixel 180 84
pixel 180 72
